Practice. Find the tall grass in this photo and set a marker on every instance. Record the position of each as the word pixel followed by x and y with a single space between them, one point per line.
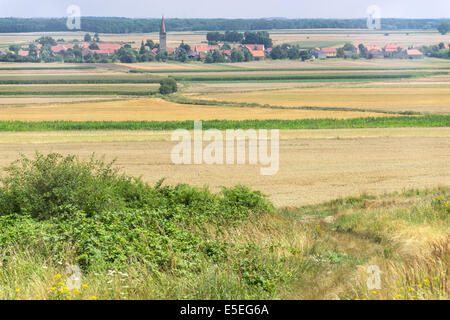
pixel 380 122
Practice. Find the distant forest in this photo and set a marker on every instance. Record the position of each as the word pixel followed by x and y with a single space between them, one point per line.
pixel 128 25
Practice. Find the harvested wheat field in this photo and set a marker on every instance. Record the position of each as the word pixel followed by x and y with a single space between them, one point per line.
pixel 161 110
pixel 311 170
pixel 383 99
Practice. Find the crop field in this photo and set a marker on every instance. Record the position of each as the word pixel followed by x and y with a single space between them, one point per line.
pixel 363 177
pixel 313 169
pixel 387 98
pixel 155 109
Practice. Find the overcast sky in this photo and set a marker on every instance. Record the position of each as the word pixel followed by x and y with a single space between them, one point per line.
pixel 228 8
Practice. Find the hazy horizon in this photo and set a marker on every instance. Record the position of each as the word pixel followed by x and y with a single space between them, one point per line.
pixel 231 9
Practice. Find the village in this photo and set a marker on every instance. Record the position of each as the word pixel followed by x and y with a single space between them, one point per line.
pixel 95 50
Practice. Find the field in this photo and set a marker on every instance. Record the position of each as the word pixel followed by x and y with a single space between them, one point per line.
pixel 362 180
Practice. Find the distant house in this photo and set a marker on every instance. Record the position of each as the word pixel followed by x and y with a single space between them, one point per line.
pixel 393 50
pixel 61 47
pixel 107 49
pixel 354 50
pixel 23 53
pixel 255 47
pixel 256 50
pixel 414 54
pixel 198 50
pixel 3 53
pixel 325 53
pixel 375 52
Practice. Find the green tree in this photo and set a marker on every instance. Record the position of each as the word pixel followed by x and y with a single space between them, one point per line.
pixel 96 37
pixel 87 37
pixel 93 46
pixel 168 86
pixel 444 27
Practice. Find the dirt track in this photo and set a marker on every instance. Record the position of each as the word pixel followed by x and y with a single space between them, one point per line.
pixel 311 170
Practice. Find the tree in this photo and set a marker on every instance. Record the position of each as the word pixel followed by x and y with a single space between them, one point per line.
pixel 150 44
pixel 87 37
pixel 444 27
pixel 142 50
pixel 96 37
pixel 14 48
pixel 363 51
pixel 168 86
pixel 46 41
pixel 93 46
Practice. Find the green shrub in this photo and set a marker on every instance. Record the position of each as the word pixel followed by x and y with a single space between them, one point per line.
pixel 54 204
pixel 168 86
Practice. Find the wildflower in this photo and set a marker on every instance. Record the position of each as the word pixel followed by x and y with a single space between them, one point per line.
pixel 76 291
pixel 66 289
pixel 44 267
pixel 57 276
pixel 411 289
pixel 17 290
pixel 435 278
pixel 413 297
pixel 52 288
pixel 401 288
pixel 60 283
pixel 426 281
pixel 61 290
pixel 374 292
pixel 419 285
pixel 85 285
pixel 93 298
pixel 398 296
pixel 67 298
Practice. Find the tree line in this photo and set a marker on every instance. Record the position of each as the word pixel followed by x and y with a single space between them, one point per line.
pixel 129 25
pixel 248 37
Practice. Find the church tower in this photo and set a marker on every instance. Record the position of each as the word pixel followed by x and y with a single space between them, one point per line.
pixel 162 37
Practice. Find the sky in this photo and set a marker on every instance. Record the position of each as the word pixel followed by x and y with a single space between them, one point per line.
pixel 227 8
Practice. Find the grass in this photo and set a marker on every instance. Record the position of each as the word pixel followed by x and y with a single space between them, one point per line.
pixel 382 122
pixel 181 242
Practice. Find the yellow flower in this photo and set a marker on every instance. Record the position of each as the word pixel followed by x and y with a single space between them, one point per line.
pixel 57 276
pixel 93 298
pixel 67 298
pixel 435 278
pixel 413 297
pixel 85 285
pixel 411 289
pixel 66 289
pixel 398 296
pixel 60 283
pixel 419 285
pixel 374 292
pixel 426 280
pixel 53 288
pixel 36 295
pixel 401 288
pixel 61 290
pixel 76 291
pixel 17 290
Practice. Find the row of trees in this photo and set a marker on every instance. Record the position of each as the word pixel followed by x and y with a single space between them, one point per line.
pixel 436 51
pixel 249 37
pixel 128 25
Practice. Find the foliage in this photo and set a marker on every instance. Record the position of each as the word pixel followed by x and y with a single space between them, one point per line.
pixel 51 201
pixel 168 86
pixel 368 122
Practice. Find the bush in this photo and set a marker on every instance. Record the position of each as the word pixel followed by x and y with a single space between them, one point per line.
pixel 168 86
pixel 52 203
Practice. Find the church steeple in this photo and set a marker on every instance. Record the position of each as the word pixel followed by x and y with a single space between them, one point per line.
pixel 163 26
pixel 162 36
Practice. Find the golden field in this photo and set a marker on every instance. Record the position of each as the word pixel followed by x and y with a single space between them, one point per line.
pixel 160 110
pixel 386 99
pixel 315 166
